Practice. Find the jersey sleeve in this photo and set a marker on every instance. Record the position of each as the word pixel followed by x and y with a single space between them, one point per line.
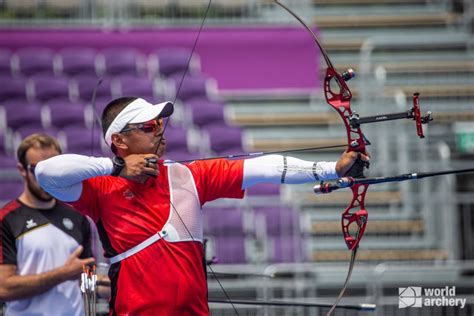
pixel 219 178
pixel 88 202
pixel 8 249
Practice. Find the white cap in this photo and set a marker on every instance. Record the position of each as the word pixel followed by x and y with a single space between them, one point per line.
pixel 137 111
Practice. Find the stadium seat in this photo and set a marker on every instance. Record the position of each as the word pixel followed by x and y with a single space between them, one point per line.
pixel 204 112
pixel 80 140
pixel 82 87
pixel 12 89
pixel 176 139
pixel 32 60
pixel 173 60
pixel 4 146
pixel 230 249
pixel 139 86
pixel 263 189
pixel 5 62
pixel 223 137
pixel 43 88
pixel 223 222
pixel 23 115
pixel 10 190
pixel 22 132
pixel 178 155
pixel 192 86
pixel 72 61
pixel 121 60
pixel 7 162
pixel 62 114
pixel 280 220
pixel 284 249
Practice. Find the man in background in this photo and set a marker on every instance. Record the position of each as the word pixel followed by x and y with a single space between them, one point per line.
pixel 44 243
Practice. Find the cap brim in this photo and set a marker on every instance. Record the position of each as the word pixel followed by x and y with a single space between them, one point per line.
pixel 164 109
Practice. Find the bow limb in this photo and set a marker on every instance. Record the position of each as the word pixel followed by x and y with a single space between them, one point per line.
pixel 338 96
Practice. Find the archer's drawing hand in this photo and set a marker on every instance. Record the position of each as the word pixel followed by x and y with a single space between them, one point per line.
pixel 348 159
pixel 139 167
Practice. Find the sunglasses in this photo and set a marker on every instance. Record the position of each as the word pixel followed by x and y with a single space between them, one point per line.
pixel 146 127
pixel 31 168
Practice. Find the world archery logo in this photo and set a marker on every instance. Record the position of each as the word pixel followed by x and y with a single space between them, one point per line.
pixel 409 297
pixel 414 296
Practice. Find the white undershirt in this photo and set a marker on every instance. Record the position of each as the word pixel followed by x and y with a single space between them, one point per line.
pixel 62 175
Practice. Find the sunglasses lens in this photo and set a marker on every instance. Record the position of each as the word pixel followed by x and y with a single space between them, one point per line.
pixel 31 168
pixel 149 127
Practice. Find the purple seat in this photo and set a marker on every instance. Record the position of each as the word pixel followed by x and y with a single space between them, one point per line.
pixel 73 61
pixel 233 153
pixel 230 249
pixel 264 189
pixel 10 190
pixel 285 249
pixel 139 86
pixel 280 221
pixel 178 155
pixel 100 104
pixel 174 60
pixel 223 137
pixel 7 162
pixel 204 112
pixel 176 139
pixel 83 87
pixel 23 132
pixel 12 88
pixel 44 88
pixel 65 114
pixel 122 60
pixel 23 115
pixel 5 62
pixel 223 221
pixel 96 151
pixel 81 140
pixel 5 143
pixel 193 86
pixel 33 60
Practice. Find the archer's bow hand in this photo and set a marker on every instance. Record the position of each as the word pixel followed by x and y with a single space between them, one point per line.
pixel 349 161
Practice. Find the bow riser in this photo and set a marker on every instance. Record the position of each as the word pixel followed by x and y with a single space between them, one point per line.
pixel 341 102
pixel 356 214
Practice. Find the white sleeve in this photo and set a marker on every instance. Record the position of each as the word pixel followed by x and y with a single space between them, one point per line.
pixel 62 176
pixel 282 169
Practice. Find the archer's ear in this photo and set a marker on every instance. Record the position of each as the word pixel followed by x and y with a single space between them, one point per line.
pixel 22 170
pixel 119 142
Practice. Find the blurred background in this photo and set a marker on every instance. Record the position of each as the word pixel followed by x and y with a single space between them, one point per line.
pixel 255 84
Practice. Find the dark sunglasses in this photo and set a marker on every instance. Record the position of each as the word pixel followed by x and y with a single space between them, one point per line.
pixel 146 127
pixel 31 168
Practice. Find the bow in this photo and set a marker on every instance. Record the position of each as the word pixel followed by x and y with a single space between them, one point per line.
pixel 338 96
pixel 340 100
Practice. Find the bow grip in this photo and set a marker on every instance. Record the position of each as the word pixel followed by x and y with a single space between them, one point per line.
pixel 357 169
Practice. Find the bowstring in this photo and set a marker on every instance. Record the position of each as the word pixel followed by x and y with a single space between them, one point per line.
pixel 162 136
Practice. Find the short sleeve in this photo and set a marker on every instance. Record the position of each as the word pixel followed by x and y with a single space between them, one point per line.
pixel 8 249
pixel 87 204
pixel 219 178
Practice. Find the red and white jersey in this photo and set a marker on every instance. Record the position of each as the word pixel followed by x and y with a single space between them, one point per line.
pixel 167 277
